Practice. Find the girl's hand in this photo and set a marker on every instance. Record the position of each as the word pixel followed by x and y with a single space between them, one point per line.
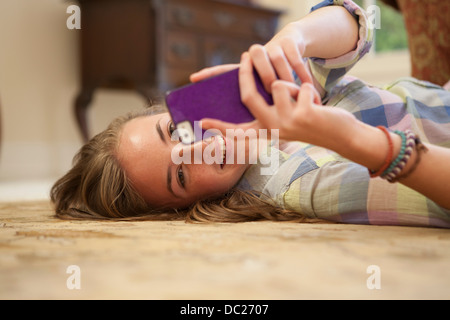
pixel 276 60
pixel 212 71
pixel 279 58
pixel 297 112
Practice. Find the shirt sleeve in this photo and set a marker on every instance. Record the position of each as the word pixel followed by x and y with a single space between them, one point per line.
pixel 342 191
pixel 328 72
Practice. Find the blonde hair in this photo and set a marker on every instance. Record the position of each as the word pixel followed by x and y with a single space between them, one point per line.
pixel 98 188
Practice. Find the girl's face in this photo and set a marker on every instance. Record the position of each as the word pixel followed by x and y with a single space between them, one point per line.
pixel 146 151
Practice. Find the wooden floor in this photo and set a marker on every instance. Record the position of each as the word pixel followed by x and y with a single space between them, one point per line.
pixel 45 258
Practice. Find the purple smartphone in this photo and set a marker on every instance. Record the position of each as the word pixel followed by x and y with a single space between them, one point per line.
pixel 217 97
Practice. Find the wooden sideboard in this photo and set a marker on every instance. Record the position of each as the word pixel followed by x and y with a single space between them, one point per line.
pixel 151 46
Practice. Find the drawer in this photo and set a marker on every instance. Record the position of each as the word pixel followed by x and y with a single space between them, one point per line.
pixel 174 77
pixel 185 15
pixel 240 21
pixel 218 51
pixel 181 49
pixel 221 18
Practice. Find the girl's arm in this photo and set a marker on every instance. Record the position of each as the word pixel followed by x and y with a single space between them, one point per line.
pixel 431 177
pixel 324 33
pixel 298 116
pixel 328 32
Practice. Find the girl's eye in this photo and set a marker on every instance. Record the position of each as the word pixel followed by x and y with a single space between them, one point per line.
pixel 171 128
pixel 180 176
pixel 173 133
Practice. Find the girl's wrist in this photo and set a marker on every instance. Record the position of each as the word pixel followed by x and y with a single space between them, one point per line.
pixel 293 31
pixel 370 147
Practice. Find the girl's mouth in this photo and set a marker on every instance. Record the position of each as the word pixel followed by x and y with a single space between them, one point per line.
pixel 223 146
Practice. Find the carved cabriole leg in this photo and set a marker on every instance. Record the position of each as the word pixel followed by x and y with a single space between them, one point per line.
pixel 151 95
pixel 82 102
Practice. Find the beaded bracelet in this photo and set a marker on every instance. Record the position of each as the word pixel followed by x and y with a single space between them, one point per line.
pixel 400 155
pixel 408 144
pixel 388 159
pixel 391 169
pixel 419 149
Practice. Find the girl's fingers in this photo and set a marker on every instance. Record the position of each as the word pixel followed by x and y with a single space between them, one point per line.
pixel 282 93
pixel 280 63
pixel 307 96
pixel 212 71
pixel 295 59
pixel 263 66
pixel 292 88
pixel 271 65
pixel 222 126
pixel 313 94
pixel 250 96
pixel 317 99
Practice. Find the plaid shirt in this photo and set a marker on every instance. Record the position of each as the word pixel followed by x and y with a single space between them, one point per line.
pixel 321 184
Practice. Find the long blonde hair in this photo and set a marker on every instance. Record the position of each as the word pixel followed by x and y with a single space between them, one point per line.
pixel 98 188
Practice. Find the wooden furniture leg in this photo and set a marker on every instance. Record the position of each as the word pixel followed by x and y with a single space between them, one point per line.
pixel 82 102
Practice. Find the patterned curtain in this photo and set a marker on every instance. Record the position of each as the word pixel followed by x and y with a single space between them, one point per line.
pixel 427 23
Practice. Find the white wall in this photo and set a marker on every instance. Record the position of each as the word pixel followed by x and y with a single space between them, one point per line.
pixel 39 80
pixel 292 9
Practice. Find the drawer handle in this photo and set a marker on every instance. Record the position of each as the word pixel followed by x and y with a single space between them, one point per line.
pixel 262 29
pixel 221 54
pixel 224 19
pixel 183 16
pixel 181 50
